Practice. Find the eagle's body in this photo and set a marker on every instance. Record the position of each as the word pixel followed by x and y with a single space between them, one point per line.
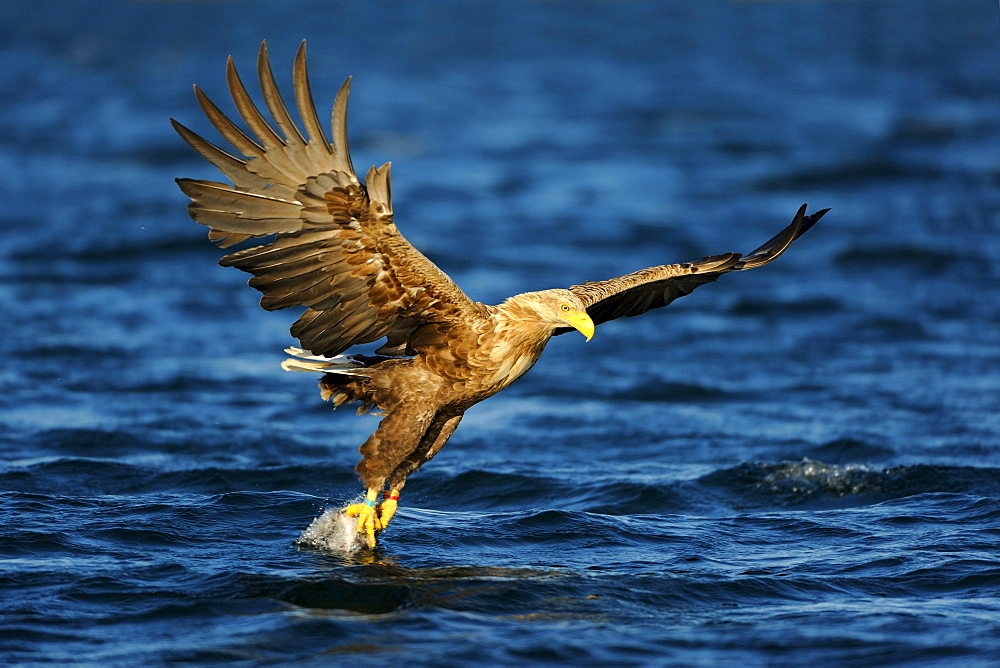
pixel 454 366
pixel 337 252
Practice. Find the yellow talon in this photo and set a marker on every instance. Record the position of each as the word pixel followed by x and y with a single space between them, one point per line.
pixel 372 516
pixel 368 521
pixel 386 510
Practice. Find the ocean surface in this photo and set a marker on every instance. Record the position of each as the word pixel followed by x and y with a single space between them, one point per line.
pixel 798 465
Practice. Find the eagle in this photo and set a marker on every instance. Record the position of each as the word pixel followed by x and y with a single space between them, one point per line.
pixel 332 247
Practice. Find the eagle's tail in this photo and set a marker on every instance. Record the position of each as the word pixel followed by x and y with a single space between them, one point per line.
pixel 301 360
pixel 344 376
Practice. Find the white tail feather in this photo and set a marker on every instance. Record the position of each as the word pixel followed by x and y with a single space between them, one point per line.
pixel 303 361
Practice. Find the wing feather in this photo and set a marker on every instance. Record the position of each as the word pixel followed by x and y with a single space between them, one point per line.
pixel 286 260
pixel 338 124
pixel 272 98
pixel 269 139
pixel 305 104
pixel 655 287
pixel 334 247
pixel 234 168
pixel 229 130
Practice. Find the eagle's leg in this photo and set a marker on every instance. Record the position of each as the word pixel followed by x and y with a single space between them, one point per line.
pixel 437 434
pixel 368 521
pixel 440 430
pixel 430 431
pixel 387 508
pixel 380 456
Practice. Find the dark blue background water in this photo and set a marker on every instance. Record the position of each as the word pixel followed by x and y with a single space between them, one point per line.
pixel 795 465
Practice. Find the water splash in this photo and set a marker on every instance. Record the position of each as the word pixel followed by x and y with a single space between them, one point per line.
pixel 333 531
pixel 811 478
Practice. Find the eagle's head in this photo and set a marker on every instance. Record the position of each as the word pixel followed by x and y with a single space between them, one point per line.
pixel 556 308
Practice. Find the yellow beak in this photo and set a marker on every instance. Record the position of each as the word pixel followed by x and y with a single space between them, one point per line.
pixel 581 322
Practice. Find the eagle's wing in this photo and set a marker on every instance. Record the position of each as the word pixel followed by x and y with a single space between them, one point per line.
pixel 634 294
pixel 335 250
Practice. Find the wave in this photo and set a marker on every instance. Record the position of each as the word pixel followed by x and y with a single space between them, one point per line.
pixel 803 484
pixel 87 477
pixel 917 258
pixel 807 483
pixel 810 306
pixel 864 173
pixel 644 389
pixel 815 484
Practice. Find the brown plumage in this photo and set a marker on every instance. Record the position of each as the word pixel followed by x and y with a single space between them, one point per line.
pixel 337 252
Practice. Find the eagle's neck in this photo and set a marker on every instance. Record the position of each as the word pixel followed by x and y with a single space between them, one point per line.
pixel 519 322
pixel 518 339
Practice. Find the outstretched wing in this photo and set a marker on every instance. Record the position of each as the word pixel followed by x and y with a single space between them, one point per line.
pixel 336 249
pixel 655 287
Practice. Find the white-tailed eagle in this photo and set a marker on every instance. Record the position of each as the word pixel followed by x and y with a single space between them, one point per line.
pixel 333 248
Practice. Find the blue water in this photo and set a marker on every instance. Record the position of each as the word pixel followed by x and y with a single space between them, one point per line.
pixel 797 465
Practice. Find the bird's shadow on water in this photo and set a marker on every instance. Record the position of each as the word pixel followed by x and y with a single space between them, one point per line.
pixel 371 582
pixel 350 577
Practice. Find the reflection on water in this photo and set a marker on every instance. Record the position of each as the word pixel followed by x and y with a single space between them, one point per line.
pixel 356 578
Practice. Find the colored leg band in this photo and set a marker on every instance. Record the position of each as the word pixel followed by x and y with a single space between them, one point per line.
pixel 370 503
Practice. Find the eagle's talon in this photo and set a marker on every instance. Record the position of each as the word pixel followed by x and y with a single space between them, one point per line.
pixel 368 521
pixel 354 509
pixel 386 510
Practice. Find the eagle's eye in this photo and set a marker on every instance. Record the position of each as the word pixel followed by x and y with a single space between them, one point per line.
pixel 564 307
